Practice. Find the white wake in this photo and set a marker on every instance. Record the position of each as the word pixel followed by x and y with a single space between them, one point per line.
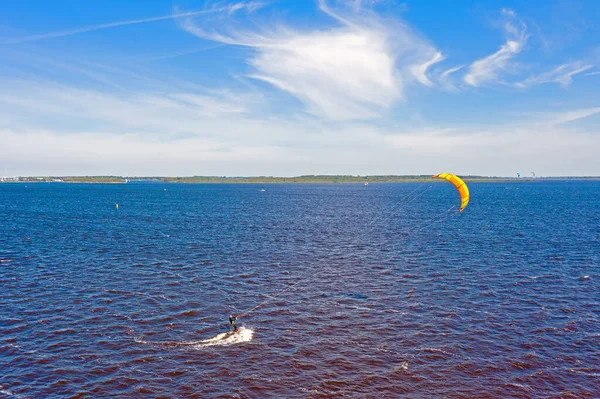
pixel 227 338
pixel 223 339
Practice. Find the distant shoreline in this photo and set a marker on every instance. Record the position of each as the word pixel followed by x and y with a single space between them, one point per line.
pixel 328 179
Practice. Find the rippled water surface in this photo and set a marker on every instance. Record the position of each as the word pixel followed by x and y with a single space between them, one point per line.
pixel 352 291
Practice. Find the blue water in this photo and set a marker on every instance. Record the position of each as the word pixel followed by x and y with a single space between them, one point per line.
pixel 353 291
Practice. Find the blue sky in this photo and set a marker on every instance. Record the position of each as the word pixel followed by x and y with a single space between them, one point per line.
pixel 299 87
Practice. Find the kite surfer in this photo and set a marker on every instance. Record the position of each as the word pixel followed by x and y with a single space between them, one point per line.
pixel 232 320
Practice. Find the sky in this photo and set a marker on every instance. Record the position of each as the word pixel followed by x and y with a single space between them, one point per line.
pixel 289 87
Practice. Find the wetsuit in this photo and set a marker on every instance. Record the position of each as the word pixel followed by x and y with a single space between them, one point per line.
pixel 232 320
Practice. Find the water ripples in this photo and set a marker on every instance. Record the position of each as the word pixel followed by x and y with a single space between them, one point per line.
pixel 499 302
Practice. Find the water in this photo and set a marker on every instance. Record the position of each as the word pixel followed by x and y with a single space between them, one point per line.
pixel 360 293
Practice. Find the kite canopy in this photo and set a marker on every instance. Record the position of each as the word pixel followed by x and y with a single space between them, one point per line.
pixel 460 185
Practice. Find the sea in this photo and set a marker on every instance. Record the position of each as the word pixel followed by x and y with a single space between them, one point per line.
pixel 342 290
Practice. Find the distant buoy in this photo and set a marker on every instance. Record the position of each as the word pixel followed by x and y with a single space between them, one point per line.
pixel 117 206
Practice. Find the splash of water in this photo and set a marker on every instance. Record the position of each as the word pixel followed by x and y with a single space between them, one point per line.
pixel 227 338
pixel 223 339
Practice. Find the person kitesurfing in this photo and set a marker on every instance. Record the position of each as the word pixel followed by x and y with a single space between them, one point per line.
pixel 232 320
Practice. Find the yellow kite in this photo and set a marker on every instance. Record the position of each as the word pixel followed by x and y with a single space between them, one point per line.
pixel 460 185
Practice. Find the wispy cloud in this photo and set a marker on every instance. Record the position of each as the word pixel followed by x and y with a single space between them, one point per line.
pixel 153 113
pixel 562 75
pixel 420 71
pixel 487 70
pixel 555 119
pixel 354 70
pixel 232 8
pixel 450 71
pixel 65 113
pixel 445 80
pixel 57 129
pixel 545 147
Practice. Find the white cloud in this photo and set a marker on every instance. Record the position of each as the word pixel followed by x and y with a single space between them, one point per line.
pixel 355 70
pixel 420 71
pixel 339 75
pixel 487 70
pixel 562 75
pixel 503 150
pixel 289 150
pixel 57 130
pixel 40 152
pixel 357 67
